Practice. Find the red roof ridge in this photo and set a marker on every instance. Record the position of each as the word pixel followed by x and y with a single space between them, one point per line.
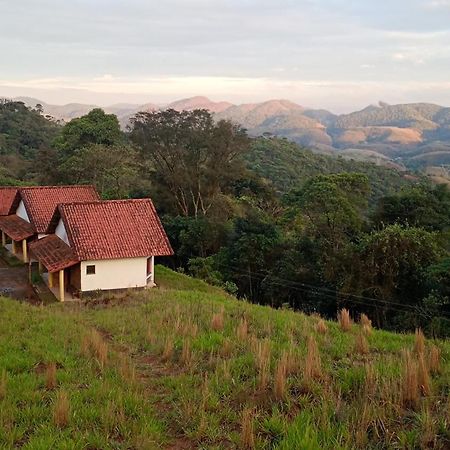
pixel 57 186
pixel 93 202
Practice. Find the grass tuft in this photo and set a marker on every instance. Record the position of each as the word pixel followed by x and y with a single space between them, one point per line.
pixel 3 383
pixel 248 429
pixel 410 385
pixel 345 322
pixel 50 376
pixel 361 344
pixel 313 365
pixel 434 360
pixel 242 330
pixel 419 342
pixel 423 376
pixel 280 377
pixel 218 320
pixel 168 349
pixel 61 410
pixel 321 326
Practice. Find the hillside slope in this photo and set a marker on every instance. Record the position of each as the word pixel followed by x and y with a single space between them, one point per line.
pixel 186 366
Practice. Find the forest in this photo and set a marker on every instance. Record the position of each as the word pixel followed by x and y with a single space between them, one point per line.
pixel 262 217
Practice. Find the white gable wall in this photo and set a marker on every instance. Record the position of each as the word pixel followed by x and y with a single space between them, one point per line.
pixel 114 274
pixel 22 212
pixel 61 232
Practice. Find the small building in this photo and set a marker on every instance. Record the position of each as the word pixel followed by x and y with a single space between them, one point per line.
pixel 101 245
pixel 28 212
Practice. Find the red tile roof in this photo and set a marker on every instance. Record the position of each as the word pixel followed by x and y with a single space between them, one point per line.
pixel 53 253
pixel 16 228
pixel 7 196
pixel 114 229
pixel 41 201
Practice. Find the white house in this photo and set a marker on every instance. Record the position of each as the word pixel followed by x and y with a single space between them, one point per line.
pixel 102 245
pixel 27 212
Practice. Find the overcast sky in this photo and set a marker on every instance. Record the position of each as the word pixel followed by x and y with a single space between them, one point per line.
pixel 334 54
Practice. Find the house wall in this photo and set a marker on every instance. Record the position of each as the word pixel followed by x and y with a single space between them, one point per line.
pixel 22 212
pixel 61 232
pixel 114 274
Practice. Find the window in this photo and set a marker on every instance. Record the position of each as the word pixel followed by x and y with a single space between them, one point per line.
pixel 90 270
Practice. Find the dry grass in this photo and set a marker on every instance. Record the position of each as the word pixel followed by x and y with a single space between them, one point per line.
pixel 247 429
pixel 50 376
pixel 313 365
pixel 321 326
pixel 361 344
pixel 370 381
pixel 262 356
pixel 151 338
pixel 280 377
pixel 218 320
pixel 168 349
pixel 345 322
pixel 186 353
pixel 61 410
pixel 410 384
pixel 94 345
pixel 434 360
pixel 3 382
pixel 242 329
pixel 366 324
pixel 423 376
pixel 127 369
pixel 226 349
pixel 419 342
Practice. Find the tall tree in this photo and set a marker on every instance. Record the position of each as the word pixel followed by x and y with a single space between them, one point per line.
pixel 195 159
pixel 96 127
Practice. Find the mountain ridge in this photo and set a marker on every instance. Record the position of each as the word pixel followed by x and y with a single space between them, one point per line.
pixel 393 132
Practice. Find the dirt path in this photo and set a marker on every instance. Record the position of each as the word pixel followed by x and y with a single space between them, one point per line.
pixel 149 370
pixel 14 282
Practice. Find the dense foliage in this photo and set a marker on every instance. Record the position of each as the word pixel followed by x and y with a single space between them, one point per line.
pixel 263 218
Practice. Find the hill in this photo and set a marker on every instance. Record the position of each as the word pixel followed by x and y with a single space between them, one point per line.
pixel 186 366
pixel 392 130
pixel 288 165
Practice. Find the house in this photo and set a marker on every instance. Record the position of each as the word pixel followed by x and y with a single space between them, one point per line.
pixel 101 245
pixel 28 213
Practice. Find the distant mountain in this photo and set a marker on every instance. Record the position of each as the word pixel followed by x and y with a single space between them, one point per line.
pixel 416 134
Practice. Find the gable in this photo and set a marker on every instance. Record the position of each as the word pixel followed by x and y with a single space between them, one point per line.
pixel 22 212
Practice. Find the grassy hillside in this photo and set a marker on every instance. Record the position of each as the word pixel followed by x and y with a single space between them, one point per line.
pixel 288 165
pixel 186 366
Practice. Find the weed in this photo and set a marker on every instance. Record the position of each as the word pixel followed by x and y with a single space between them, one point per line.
pixel 361 344
pixel 168 349
pixel 3 382
pixel 410 385
pixel 248 429
pixel 61 410
pixel 218 320
pixel 419 342
pixel 434 360
pixel 280 377
pixel 344 320
pixel 313 366
pixel 321 326
pixel 242 329
pixel 50 376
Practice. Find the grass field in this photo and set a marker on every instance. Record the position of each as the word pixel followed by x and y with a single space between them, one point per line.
pixel 186 366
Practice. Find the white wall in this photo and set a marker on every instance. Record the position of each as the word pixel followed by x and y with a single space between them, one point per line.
pixel 114 274
pixel 22 212
pixel 61 232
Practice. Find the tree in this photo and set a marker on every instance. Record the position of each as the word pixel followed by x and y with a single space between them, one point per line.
pixel 390 265
pixel 420 206
pixel 113 169
pixel 195 159
pixel 96 127
pixel 334 207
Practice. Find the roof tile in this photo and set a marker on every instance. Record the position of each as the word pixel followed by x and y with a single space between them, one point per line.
pixel 114 229
pixel 41 201
pixel 54 253
pixel 7 196
pixel 16 228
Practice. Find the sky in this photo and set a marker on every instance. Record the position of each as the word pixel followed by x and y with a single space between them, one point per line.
pixel 339 55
